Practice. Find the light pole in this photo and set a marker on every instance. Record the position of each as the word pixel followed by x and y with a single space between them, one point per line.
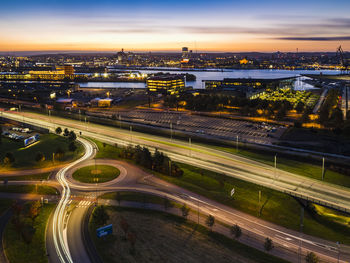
pixel 338 245
pixel 323 168
pixel 171 131
pixel 237 143
pixel 131 134
pixel 301 232
pixel 189 143
pixel 169 167
pixel 198 211
pixel 275 166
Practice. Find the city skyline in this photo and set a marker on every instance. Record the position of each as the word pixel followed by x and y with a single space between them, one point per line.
pixel 164 26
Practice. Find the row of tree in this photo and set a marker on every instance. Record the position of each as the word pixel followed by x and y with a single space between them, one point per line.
pixel 22 215
pixel 255 107
pixel 158 161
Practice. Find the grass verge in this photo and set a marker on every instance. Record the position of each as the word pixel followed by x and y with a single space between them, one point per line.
pixel 4 205
pixel 29 189
pixel 47 145
pixel 160 235
pixel 96 174
pixel 18 251
pixel 43 176
pixel 274 206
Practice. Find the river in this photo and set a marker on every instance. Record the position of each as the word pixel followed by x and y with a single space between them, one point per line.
pixel 219 75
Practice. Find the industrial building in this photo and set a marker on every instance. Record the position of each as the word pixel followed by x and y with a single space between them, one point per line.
pixel 60 73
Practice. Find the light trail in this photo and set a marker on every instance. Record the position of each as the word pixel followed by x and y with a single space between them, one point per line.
pixel 59 236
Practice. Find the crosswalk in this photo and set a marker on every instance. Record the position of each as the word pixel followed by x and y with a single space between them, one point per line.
pixel 81 201
pixel 84 203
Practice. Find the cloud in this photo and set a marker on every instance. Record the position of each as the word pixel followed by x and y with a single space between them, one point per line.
pixel 336 38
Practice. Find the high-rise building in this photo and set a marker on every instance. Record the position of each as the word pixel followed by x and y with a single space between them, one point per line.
pixel 185 52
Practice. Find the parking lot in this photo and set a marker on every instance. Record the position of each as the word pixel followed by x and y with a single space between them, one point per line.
pixel 217 127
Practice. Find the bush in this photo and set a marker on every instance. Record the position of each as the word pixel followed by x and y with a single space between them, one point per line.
pixel 39 157
pixel 72 147
pixel 157 162
pixel 9 159
pixel 58 130
pixel 311 258
pixel 268 245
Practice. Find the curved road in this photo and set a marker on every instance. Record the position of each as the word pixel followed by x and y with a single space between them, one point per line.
pixel 66 233
pixel 135 179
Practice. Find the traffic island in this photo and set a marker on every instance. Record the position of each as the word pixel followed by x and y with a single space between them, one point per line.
pixel 96 174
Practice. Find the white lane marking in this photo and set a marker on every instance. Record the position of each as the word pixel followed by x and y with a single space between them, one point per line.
pixel 286 238
pixel 259 231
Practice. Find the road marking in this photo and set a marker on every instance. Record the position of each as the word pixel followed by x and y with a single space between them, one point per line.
pixel 286 238
pixel 259 231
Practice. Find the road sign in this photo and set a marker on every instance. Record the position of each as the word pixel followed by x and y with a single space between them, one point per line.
pixel 104 231
pixel 232 191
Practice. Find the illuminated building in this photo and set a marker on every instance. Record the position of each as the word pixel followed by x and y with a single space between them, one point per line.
pixel 185 52
pixel 61 72
pixel 101 103
pixel 165 83
pixel 246 86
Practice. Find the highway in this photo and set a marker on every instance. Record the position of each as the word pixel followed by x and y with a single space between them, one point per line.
pixel 65 242
pixel 204 157
pixel 255 230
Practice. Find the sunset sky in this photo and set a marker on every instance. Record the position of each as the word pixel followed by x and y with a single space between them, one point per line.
pixel 202 25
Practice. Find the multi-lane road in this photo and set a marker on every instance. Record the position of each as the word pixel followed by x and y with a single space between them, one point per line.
pixel 205 157
pixel 131 178
pixel 66 241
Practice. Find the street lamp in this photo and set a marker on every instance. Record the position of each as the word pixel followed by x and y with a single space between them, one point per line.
pixel 131 134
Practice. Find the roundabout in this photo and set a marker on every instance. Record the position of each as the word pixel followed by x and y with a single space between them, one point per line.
pixel 96 174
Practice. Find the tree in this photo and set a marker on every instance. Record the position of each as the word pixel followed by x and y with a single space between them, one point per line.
pixel 65 132
pixel 72 136
pixel 16 218
pixel 132 239
pixel 311 258
pixel 9 158
pixel 72 147
pixel 34 211
pixel 124 226
pixel 118 198
pixel 28 232
pixel 100 216
pixel 210 221
pixel 185 211
pixel 58 130
pixel 39 157
pixel 166 203
pixel 59 153
pixel 268 245
pixel 0 134
pixel 236 231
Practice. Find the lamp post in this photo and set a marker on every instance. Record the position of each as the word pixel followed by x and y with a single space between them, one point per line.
pixel 131 134
pixel 275 166
pixel 171 131
pixel 189 143
pixel 237 143
pixel 323 168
